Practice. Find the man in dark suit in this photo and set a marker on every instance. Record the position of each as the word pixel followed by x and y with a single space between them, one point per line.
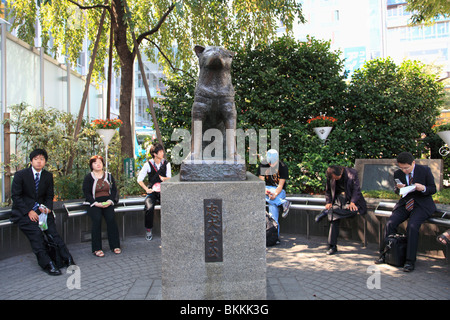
pixel 418 205
pixel 32 194
pixel 343 200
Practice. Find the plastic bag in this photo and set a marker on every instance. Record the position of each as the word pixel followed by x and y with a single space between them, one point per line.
pixel 43 221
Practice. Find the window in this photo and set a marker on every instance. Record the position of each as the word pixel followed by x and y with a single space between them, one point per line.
pixel 442 30
pixel 336 15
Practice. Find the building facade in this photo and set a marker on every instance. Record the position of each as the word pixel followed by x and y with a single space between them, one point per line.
pixel 368 29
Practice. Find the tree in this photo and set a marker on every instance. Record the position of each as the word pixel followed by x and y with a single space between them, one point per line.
pixel 171 29
pixel 390 107
pixel 427 10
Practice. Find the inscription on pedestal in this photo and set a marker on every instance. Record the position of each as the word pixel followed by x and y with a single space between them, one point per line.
pixel 213 230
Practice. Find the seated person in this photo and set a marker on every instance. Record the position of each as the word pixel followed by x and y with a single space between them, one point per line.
pixel 275 174
pixel 417 206
pixel 343 200
pixel 32 195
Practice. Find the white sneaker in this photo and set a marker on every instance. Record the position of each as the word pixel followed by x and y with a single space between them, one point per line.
pixel 286 207
pixel 149 235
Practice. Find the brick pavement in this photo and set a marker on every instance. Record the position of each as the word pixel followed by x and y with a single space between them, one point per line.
pixel 297 269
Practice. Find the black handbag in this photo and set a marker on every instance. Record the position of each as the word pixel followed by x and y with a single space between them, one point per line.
pixel 271 230
pixel 395 250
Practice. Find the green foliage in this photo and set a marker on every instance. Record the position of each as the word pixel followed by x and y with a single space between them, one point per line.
pixel 390 107
pixel 442 196
pixel 52 130
pixel 380 194
pixel 428 10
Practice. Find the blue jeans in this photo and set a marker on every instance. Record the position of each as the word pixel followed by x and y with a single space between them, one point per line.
pixel 275 203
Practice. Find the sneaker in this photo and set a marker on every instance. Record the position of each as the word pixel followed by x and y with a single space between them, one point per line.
pixel 149 235
pixel 286 205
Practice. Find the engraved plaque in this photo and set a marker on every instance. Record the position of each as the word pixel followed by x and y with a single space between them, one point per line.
pixel 213 230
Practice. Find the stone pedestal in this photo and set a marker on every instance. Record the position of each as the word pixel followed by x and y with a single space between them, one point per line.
pixel 213 239
pixel 213 170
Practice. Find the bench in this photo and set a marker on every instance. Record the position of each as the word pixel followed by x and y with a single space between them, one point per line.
pixel 126 205
pixel 316 204
pixel 384 210
pixel 4 218
pixel 136 204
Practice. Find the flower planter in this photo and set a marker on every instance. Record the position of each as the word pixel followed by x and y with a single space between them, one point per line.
pixel 322 132
pixel 444 135
pixel 106 136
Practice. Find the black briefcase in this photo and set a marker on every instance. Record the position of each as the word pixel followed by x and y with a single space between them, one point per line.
pixel 395 250
pixel 53 250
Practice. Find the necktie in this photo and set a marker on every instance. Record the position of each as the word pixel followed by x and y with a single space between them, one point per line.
pixel 410 202
pixel 36 186
pixel 36 182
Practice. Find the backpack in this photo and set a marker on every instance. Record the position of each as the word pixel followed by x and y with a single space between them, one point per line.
pixel 271 230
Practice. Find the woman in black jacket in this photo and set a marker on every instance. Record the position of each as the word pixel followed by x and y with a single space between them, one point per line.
pixel 99 188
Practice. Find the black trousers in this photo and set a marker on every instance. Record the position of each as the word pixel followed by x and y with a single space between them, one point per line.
pixel 150 202
pixel 96 215
pixel 335 215
pixel 416 217
pixel 36 237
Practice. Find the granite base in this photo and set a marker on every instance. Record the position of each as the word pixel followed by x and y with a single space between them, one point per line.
pixel 242 272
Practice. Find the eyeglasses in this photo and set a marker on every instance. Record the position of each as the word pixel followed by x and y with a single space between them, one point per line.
pixel 405 167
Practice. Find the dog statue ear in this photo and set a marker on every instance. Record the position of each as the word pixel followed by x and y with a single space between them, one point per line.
pixel 199 50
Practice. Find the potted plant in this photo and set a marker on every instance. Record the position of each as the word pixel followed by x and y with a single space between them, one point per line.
pixel 106 130
pixel 322 126
pixel 442 129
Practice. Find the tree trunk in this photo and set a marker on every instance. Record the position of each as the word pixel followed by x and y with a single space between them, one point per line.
pixel 126 57
pixel 126 86
pixel 126 96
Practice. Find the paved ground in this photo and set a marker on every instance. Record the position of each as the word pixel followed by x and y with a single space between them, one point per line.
pixel 296 269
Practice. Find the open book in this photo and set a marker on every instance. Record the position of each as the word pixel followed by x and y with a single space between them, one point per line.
pixel 405 190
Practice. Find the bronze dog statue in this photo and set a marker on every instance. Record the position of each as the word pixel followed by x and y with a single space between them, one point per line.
pixel 214 106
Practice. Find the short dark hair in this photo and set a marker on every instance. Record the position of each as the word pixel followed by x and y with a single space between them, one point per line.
pixel 405 157
pixel 336 170
pixel 155 148
pixel 38 152
pixel 93 159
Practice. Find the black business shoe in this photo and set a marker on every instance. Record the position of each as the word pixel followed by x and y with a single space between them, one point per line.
pixel 408 267
pixel 380 260
pixel 332 250
pixel 52 270
pixel 69 262
pixel 321 215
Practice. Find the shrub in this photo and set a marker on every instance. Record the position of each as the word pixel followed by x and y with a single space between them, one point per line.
pixel 52 130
